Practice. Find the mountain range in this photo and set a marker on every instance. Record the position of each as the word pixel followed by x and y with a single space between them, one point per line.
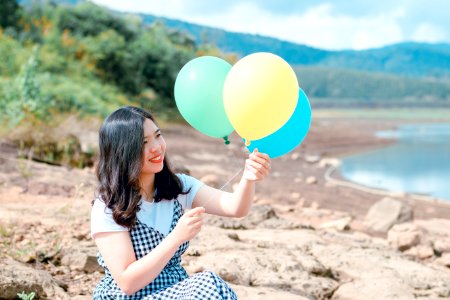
pixel 406 59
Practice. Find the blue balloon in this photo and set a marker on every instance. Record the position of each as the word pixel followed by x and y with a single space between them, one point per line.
pixel 290 135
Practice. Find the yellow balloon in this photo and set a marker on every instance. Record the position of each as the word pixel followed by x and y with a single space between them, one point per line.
pixel 260 94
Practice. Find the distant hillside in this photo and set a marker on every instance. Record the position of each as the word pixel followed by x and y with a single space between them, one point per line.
pixel 67 2
pixel 407 59
pixel 339 87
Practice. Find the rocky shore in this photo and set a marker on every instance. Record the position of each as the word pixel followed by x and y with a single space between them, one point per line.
pixel 305 238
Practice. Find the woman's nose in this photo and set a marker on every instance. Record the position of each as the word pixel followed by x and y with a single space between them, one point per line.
pixel 156 148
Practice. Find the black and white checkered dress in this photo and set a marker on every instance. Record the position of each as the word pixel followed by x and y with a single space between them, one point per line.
pixel 173 282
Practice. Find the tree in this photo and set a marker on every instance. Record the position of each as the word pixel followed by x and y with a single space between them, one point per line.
pixel 9 13
pixel 88 19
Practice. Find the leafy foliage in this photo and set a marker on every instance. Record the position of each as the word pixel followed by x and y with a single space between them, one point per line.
pixel 88 19
pixel 83 61
pixel 87 61
pixel 25 296
pixel 9 13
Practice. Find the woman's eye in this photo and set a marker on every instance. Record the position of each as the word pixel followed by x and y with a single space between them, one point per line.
pixel 158 135
pixel 145 142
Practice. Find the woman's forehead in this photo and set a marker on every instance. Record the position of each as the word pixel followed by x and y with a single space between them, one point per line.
pixel 149 127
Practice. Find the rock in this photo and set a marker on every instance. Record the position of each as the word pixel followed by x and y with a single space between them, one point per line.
pixel 229 275
pixel 325 162
pixel 314 205
pixel 420 252
pixel 311 180
pixel 444 260
pixel 404 236
pixel 374 289
pixel 264 292
pixel 369 271
pixel 339 224
pixel 278 223
pixel 424 251
pixel 442 246
pixel 16 277
pixel 312 159
pixel 295 195
pixel 317 287
pixel 435 227
pixel 257 215
pixel 312 265
pixel 386 213
pixel 300 203
pixel 81 259
pixel 191 251
pixel 295 156
pixel 234 236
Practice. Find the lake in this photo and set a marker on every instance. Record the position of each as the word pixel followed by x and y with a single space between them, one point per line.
pixel 418 162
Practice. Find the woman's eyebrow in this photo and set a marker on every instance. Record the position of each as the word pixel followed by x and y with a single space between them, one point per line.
pixel 154 133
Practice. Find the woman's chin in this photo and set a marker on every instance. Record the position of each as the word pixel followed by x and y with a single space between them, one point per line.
pixel 154 168
pixel 158 168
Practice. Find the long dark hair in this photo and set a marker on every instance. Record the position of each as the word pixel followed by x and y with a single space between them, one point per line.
pixel 121 159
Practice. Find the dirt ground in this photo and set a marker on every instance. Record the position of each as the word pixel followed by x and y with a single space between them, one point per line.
pixel 48 207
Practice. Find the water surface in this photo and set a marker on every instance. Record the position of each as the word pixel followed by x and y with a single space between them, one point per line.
pixel 419 162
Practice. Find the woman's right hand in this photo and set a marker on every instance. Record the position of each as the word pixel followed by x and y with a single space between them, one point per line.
pixel 189 225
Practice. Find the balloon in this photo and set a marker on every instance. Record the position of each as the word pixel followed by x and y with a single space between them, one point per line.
pixel 288 137
pixel 199 95
pixel 260 94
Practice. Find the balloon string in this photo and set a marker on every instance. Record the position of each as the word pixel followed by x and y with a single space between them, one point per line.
pixel 234 176
pixel 236 155
pixel 229 180
pixel 224 185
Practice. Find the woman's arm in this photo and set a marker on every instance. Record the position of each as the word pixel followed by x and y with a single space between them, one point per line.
pixel 236 204
pixel 130 274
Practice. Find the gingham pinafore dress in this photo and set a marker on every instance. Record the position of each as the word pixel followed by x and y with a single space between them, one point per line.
pixel 173 282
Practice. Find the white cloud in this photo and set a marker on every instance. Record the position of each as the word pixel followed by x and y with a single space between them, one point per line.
pixel 324 25
pixel 428 33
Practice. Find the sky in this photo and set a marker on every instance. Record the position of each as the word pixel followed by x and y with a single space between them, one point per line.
pixel 332 25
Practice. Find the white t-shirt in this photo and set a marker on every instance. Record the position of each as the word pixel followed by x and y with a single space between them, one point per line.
pixel 157 215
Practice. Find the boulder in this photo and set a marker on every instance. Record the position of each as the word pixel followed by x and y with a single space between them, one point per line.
pixel 16 277
pixel 386 213
pixel 83 259
pixel 404 236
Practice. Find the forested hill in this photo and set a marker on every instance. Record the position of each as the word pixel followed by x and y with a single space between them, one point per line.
pixel 407 59
pixel 141 57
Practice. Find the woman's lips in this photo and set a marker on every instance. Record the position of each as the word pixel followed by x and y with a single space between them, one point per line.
pixel 157 159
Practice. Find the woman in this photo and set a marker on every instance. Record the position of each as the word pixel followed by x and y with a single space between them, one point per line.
pixel 137 219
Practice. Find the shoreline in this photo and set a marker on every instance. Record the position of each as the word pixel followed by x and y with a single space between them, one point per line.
pixel 335 138
pixel 386 141
pixel 328 176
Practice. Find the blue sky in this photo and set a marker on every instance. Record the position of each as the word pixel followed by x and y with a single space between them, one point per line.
pixel 338 24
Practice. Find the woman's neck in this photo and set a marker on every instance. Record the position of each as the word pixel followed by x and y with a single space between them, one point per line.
pixel 147 182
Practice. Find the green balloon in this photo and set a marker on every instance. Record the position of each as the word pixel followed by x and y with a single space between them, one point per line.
pixel 199 95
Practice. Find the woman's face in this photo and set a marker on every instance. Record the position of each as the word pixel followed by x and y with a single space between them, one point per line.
pixel 154 148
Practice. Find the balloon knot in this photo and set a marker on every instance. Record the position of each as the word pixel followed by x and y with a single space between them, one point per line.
pixel 227 142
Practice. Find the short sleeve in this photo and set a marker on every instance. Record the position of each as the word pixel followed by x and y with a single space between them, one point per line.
pixel 190 184
pixel 102 219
